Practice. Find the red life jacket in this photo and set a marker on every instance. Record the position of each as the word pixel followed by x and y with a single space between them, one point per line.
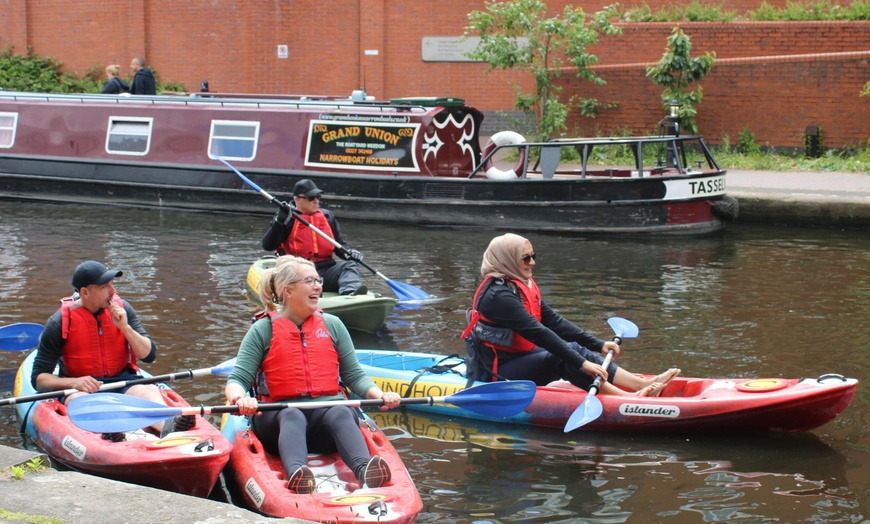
pixel 94 346
pixel 301 362
pixel 304 242
pixel 498 338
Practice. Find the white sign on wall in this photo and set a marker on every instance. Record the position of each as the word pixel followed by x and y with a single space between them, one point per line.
pixel 453 48
pixel 283 51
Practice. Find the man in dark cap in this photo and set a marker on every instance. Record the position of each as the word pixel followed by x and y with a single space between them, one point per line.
pixel 95 338
pixel 288 236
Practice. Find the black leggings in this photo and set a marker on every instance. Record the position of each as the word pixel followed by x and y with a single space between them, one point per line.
pixel 542 367
pixel 288 433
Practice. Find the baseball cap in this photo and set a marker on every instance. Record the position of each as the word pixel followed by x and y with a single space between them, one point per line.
pixel 92 272
pixel 306 188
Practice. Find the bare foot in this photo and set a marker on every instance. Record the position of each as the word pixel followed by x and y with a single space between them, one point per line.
pixel 653 390
pixel 667 376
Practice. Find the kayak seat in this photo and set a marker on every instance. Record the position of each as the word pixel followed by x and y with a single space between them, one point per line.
pixel 687 388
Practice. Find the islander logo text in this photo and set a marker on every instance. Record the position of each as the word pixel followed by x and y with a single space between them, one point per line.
pixel 649 410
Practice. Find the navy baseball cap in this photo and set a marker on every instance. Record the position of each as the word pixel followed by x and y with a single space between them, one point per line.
pixel 92 272
pixel 306 188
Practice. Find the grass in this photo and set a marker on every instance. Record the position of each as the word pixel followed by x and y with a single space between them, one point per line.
pixel 31 519
pixel 849 161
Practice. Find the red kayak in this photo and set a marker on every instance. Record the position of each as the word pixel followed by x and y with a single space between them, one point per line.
pixel 187 462
pixel 337 497
pixel 685 405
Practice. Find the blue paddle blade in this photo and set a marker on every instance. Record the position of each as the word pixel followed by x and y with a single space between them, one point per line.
pixel 623 328
pixel 224 368
pixel 496 399
pixel 407 292
pixel 590 410
pixel 116 413
pixel 20 337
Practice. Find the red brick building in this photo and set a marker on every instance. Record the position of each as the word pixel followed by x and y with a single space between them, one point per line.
pixel 775 78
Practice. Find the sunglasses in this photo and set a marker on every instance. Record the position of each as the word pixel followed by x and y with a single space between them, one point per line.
pixel 309 281
pixel 312 198
pixel 527 258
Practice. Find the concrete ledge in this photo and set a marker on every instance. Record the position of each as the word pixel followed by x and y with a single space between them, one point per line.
pixel 791 210
pixel 77 498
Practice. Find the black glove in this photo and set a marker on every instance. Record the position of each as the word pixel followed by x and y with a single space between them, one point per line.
pixel 353 254
pixel 284 216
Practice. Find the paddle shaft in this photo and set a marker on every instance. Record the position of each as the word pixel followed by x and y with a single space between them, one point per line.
pixel 166 411
pixel 107 412
pixel 298 217
pixel 109 386
pixel 596 384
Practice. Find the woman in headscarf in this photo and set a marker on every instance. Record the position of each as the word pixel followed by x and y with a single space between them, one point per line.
pixel 519 337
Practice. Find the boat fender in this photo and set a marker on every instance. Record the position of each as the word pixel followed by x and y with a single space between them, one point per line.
pixel 726 209
pixel 829 378
pixel 499 139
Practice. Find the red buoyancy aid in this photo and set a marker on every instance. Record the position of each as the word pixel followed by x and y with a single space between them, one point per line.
pixel 301 362
pixel 94 346
pixel 531 296
pixel 304 242
pixel 502 338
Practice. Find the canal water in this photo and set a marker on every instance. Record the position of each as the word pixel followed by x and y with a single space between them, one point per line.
pixel 752 302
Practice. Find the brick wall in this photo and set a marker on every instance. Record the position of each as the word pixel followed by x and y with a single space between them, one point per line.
pixel 776 97
pixel 647 42
pixel 336 46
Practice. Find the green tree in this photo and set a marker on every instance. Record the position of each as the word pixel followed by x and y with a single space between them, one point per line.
pixel 516 34
pixel 676 71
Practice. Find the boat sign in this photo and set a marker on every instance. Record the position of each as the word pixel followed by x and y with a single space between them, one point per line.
pixel 362 144
pixel 682 189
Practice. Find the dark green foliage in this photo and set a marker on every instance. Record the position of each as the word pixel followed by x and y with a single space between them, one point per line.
pixel 37 74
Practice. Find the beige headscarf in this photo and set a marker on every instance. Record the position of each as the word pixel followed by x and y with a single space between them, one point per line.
pixel 502 257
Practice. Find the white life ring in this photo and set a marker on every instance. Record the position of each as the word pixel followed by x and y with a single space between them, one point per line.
pixel 500 139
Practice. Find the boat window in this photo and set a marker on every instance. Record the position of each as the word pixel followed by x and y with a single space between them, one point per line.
pixel 233 140
pixel 8 125
pixel 129 136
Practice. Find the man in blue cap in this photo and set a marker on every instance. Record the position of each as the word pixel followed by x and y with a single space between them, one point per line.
pixel 288 236
pixel 96 337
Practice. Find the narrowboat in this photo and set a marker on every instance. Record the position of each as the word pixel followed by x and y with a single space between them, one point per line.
pixel 406 160
pixel 694 405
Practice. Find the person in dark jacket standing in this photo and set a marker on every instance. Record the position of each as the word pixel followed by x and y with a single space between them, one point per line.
pixel 143 78
pixel 115 85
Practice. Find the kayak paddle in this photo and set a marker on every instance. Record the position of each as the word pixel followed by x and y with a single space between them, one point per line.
pixel 224 368
pixel 402 290
pixel 591 408
pixel 112 413
pixel 20 337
